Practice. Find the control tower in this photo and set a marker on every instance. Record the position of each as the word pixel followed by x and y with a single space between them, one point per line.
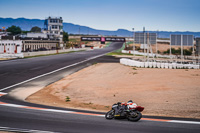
pixel 53 27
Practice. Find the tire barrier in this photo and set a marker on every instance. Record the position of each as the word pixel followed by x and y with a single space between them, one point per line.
pixel 134 63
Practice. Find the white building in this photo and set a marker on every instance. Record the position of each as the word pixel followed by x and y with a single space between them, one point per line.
pixel 53 26
pixel 10 48
pixel 4 33
pixel 38 44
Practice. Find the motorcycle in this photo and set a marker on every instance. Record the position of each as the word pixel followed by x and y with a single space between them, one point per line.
pixel 123 110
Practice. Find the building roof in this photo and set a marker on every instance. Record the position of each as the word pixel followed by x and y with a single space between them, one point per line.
pixel 25 38
pixel 53 17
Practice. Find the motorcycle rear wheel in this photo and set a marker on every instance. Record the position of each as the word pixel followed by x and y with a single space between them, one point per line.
pixel 110 114
pixel 136 117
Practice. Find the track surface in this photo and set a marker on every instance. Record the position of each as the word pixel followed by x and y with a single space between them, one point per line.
pixel 16 71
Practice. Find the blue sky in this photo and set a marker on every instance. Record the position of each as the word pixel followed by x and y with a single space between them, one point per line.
pixel 162 15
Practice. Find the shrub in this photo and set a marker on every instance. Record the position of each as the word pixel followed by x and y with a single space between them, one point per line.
pixel 67 99
pixel 134 68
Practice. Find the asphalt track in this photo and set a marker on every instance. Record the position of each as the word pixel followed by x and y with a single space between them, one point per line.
pixel 20 116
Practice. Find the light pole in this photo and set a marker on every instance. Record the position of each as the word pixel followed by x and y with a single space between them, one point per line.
pixel 157 44
pixel 144 43
pixel 133 43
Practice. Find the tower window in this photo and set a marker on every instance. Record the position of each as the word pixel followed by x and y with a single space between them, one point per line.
pixel 54 27
pixel 53 20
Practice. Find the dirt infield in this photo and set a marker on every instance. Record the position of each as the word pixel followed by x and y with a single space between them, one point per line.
pixel 163 92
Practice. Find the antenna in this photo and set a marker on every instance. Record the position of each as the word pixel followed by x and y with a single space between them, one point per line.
pixel 144 43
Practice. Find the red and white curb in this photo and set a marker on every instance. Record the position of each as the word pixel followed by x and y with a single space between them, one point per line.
pixel 91 114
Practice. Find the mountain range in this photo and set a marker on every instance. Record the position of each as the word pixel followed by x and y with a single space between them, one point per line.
pixel 27 24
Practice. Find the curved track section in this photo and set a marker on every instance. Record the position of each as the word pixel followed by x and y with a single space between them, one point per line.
pixel 20 116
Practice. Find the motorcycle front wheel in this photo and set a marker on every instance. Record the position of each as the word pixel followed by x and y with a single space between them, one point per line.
pixel 134 116
pixel 110 114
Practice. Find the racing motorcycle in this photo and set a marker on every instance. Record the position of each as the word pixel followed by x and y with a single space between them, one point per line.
pixel 123 110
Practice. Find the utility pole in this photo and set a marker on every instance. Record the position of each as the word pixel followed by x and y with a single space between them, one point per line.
pixel 133 43
pixel 157 44
pixel 144 42
pixel 148 46
pixel 181 49
pixel 193 53
pixel 170 54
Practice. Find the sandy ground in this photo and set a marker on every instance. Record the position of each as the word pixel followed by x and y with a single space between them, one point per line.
pixel 163 92
pixel 4 59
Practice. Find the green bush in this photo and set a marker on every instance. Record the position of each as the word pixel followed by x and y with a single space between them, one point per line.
pixel 178 51
pixel 67 99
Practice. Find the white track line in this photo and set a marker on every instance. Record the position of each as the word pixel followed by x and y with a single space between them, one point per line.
pixel 185 122
pixel 14 105
pixel 49 110
pixel 59 111
pixel 3 93
pixel 51 72
pixel 9 129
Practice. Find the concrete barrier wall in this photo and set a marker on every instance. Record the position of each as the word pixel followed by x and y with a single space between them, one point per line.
pixel 154 55
pixel 10 56
pixel 27 54
pixel 135 63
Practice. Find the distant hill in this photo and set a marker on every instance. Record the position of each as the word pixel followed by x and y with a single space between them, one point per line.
pixel 27 24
